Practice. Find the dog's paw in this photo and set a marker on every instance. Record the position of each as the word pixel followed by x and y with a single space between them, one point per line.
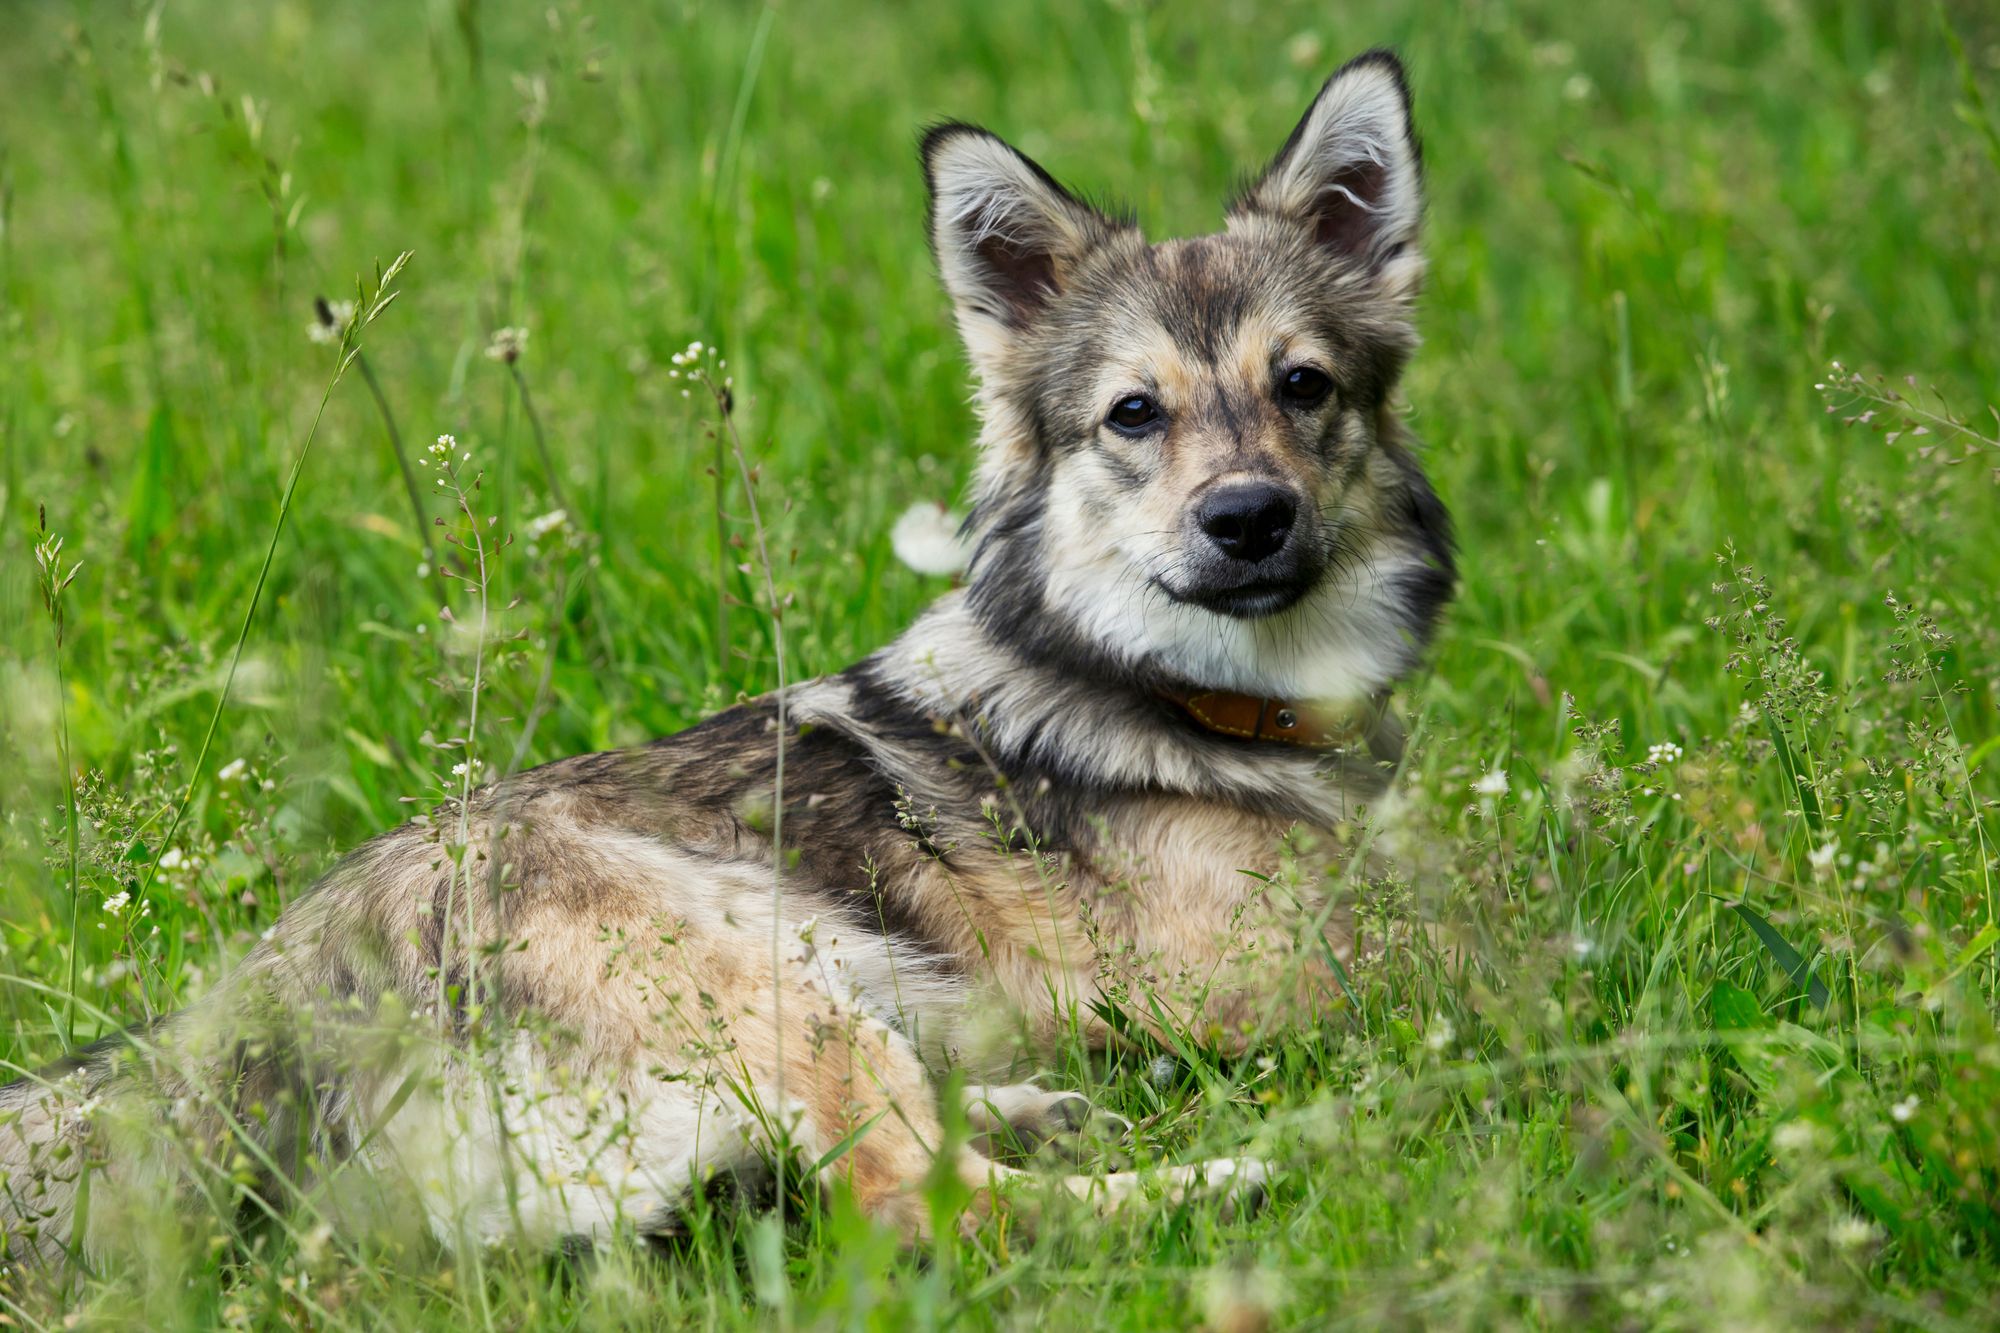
pixel 1023 1118
pixel 1240 1184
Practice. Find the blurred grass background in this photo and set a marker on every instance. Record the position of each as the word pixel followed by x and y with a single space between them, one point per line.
pixel 1651 229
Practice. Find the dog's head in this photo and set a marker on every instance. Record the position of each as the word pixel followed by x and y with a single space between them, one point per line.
pixel 1189 466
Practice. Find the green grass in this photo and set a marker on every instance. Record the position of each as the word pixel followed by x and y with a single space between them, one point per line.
pixel 1613 1103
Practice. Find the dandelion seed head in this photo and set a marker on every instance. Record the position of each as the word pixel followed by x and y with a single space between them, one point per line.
pixel 507 345
pixel 926 539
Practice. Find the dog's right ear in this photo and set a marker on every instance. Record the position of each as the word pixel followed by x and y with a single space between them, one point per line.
pixel 1007 237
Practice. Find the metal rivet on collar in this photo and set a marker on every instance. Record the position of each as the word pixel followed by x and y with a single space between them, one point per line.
pixel 1286 719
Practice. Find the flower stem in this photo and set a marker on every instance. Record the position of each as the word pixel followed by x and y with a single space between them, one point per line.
pixel 409 475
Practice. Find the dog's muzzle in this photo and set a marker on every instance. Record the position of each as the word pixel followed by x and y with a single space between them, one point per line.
pixel 1251 560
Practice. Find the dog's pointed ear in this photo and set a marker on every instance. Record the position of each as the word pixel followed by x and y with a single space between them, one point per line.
pixel 1352 172
pixel 1007 237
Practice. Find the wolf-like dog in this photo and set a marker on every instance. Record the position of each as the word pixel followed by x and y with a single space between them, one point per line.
pixel 1101 778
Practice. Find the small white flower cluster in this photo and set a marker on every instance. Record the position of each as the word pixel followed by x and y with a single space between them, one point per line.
pixel 1659 754
pixel 467 769
pixel 694 359
pixel 542 525
pixel 1821 857
pixel 118 902
pixel 447 456
pixel 1491 783
pixel 1905 1110
pixel 446 446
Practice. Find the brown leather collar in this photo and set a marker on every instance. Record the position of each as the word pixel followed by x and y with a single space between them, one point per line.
pixel 1253 718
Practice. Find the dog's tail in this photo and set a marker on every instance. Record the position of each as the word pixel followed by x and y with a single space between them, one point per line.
pixel 50 1145
pixel 206 1101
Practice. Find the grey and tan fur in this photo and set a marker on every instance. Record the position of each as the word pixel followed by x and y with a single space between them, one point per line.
pixel 562 1021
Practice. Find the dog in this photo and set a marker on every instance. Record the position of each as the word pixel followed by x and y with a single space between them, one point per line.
pixel 1092 790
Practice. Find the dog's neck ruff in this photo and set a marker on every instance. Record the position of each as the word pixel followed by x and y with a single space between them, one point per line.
pixel 1279 721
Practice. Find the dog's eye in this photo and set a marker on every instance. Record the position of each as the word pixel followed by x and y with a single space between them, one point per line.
pixel 1134 413
pixel 1305 386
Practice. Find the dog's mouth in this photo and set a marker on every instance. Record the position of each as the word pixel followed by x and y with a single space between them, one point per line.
pixel 1249 599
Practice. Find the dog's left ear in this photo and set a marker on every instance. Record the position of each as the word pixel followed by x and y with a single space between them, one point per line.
pixel 1352 172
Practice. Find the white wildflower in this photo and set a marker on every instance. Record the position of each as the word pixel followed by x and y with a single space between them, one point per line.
pixel 444 446
pixel 1794 1136
pixel 1822 856
pixel 1492 783
pixel 1581 947
pixel 543 524
pixel 173 859
pixel 926 539
pixel 1665 752
pixel 118 902
pixel 231 771
pixel 1848 1232
pixel 1440 1034
pixel 1903 1111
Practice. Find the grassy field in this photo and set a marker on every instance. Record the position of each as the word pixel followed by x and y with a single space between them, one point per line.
pixel 1718 1048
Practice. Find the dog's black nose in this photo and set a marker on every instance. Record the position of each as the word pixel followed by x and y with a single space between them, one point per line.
pixel 1248 521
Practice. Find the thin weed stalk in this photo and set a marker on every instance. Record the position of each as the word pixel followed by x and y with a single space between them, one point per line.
pixel 369 307
pixel 535 429
pixel 720 390
pixel 54 583
pixel 507 348
pixel 329 320
pixel 479 577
